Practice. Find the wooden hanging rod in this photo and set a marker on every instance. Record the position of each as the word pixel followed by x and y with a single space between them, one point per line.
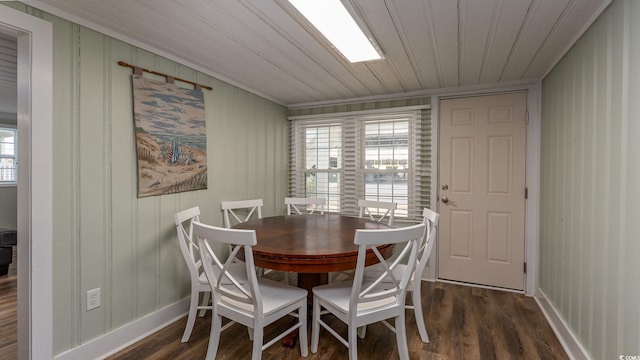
pixel 196 85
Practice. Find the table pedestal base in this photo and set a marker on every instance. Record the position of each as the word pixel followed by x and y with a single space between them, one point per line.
pixel 306 281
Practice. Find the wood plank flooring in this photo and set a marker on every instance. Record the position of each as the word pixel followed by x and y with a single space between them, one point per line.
pixel 8 316
pixel 463 323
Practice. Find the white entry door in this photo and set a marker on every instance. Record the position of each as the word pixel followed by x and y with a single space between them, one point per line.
pixel 482 190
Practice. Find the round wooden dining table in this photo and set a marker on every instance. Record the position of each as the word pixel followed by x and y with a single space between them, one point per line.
pixel 311 245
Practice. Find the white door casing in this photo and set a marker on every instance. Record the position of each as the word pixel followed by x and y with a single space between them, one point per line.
pixel 35 179
pixel 482 190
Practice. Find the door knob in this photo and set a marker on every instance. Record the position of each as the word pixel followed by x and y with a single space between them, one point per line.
pixel 447 201
pixel 445 187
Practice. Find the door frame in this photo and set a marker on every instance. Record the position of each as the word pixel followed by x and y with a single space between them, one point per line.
pixel 532 179
pixel 35 182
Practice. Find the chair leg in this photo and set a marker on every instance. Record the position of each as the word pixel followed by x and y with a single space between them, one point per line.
pixel 191 318
pixel 362 331
pixel 352 336
pixel 401 337
pixel 214 336
pixel 315 326
pixel 205 302
pixel 417 309
pixel 256 353
pixel 302 330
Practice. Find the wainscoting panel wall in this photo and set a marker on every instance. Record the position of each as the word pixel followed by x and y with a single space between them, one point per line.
pixel 104 237
pixel 590 175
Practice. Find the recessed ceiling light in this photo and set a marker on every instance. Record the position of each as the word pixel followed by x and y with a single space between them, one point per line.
pixel 333 21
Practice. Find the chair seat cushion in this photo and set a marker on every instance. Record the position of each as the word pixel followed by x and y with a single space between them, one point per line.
pixel 339 293
pixel 275 296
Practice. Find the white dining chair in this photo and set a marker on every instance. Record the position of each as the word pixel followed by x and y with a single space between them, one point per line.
pixel 377 210
pixel 430 219
pixel 358 303
pixel 240 211
pixel 311 205
pixel 231 210
pixel 191 255
pixel 254 303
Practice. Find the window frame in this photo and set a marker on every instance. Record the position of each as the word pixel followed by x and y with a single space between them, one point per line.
pixel 362 171
pixel 352 182
pixel 14 156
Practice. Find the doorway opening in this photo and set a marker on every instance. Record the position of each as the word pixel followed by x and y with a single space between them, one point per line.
pixel 35 173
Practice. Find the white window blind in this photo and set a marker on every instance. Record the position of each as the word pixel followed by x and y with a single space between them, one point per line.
pixel 374 157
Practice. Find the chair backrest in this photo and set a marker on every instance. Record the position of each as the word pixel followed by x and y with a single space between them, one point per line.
pixel 188 246
pixel 228 287
pixel 229 207
pixel 365 207
pixel 430 219
pixel 317 204
pixel 386 289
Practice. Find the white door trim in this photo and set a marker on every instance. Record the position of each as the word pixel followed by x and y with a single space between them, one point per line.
pixel 532 210
pixel 532 220
pixel 35 179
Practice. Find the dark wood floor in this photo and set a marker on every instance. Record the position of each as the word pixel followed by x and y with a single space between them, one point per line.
pixel 8 316
pixel 463 323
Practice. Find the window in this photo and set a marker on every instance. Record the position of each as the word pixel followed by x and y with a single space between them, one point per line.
pixel 8 156
pixel 373 157
pixel 386 162
pixel 321 166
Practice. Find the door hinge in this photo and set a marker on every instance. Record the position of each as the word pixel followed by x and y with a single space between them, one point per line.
pixel 526 193
pixel 525 268
pixel 526 117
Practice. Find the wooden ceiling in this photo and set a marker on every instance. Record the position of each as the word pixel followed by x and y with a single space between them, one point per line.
pixel 430 46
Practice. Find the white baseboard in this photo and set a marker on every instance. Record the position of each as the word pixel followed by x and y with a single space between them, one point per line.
pixel 567 338
pixel 118 339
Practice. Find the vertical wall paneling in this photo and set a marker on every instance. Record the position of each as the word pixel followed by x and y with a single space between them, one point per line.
pixel 107 125
pixel 91 175
pixel 123 185
pixel 65 252
pixel 104 236
pixel 147 235
pixel 631 253
pixel 589 235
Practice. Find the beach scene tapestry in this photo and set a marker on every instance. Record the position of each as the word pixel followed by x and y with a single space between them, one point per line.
pixel 171 141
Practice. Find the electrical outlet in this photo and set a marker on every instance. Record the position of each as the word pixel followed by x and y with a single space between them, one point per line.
pixel 93 299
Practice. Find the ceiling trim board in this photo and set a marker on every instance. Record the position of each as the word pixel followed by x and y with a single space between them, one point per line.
pixel 360 112
pixel 101 29
pixel 468 89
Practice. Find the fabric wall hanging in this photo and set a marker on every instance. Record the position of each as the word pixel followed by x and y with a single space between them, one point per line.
pixel 171 137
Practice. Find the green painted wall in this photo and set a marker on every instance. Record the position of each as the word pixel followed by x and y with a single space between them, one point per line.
pixel 8 207
pixel 103 235
pixel 590 228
